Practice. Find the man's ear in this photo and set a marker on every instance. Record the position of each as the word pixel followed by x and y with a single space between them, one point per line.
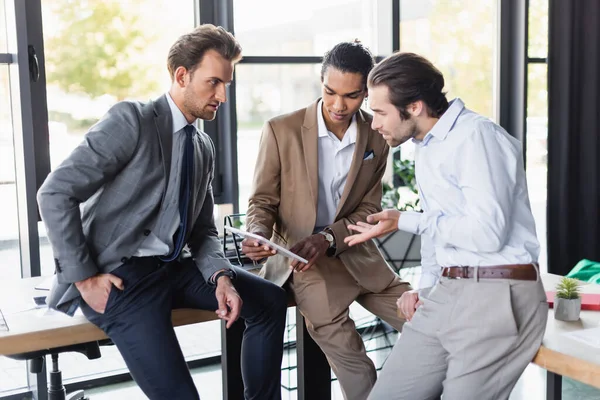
pixel 180 76
pixel 416 108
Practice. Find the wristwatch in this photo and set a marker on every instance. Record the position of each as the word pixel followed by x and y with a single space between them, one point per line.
pixel 225 272
pixel 331 240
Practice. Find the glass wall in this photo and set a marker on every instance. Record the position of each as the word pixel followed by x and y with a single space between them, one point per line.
pixel 13 375
pixel 262 92
pixel 303 30
pixel 460 38
pixel 99 53
pixel 309 27
pixel 537 119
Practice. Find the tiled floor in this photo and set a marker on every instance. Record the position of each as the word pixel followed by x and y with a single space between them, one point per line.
pixel 531 386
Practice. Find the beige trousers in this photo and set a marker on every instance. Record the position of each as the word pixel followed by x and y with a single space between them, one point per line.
pixel 470 340
pixel 323 295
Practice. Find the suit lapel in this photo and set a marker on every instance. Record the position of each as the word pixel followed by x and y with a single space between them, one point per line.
pixel 163 123
pixel 362 140
pixel 310 134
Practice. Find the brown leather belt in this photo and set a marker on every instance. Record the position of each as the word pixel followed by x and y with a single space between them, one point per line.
pixel 521 272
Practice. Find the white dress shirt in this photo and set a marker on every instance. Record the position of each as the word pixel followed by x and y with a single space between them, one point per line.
pixel 473 191
pixel 335 157
pixel 159 241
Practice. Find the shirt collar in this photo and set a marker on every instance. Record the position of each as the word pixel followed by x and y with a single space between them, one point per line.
pixel 349 136
pixel 446 122
pixel 179 121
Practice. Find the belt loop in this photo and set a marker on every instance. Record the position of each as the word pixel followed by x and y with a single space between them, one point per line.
pixel 537 271
pixel 476 272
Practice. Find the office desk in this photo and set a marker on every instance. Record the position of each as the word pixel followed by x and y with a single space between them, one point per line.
pixel 34 329
pixel 563 356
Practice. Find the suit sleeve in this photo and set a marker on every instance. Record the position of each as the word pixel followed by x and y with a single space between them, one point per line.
pixel 264 200
pixel 106 149
pixel 204 241
pixel 370 204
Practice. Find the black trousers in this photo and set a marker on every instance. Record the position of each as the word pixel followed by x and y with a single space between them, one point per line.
pixel 138 321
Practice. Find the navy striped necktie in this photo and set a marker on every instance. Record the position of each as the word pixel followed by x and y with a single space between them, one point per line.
pixel 185 188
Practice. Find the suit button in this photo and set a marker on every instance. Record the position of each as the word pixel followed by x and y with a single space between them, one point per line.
pixel 124 260
pixel 146 232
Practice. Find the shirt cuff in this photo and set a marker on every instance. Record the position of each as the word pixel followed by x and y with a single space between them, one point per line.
pixel 409 221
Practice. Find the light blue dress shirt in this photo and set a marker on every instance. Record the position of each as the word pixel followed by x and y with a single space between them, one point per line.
pixel 473 190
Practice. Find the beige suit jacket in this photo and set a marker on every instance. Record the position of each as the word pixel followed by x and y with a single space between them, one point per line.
pixel 283 202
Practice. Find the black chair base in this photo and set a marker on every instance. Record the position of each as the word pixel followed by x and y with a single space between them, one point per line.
pixel 56 389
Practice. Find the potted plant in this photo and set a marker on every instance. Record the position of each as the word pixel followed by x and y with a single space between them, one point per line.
pixel 567 302
pixel 402 250
pixel 404 173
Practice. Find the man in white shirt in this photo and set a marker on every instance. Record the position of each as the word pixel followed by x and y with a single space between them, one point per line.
pixel 319 169
pixel 479 315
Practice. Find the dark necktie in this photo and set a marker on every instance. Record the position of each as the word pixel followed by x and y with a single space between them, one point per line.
pixel 185 188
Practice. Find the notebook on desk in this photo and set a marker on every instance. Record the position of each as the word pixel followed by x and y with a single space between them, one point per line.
pixel 588 301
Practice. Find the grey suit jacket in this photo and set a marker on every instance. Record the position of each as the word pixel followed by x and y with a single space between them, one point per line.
pixel 102 201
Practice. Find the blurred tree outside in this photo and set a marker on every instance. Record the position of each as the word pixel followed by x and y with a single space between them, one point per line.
pixel 95 50
pixel 465 37
pixel 460 38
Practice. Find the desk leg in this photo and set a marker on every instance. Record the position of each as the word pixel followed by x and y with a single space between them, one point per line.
pixel 553 386
pixel 38 383
pixel 231 367
pixel 314 374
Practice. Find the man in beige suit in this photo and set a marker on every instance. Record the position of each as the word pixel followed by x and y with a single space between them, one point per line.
pixel 318 170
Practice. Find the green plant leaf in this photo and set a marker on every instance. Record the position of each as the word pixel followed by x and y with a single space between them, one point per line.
pixel 568 288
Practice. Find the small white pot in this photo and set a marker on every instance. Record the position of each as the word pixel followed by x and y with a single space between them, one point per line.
pixel 567 309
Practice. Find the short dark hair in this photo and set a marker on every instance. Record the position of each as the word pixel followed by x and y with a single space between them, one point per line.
pixel 409 78
pixel 190 48
pixel 350 57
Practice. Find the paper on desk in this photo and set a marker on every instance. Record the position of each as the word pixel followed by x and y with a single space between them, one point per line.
pixel 47 283
pixel 591 336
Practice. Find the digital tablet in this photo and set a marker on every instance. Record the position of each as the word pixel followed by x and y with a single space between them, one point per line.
pixel 260 239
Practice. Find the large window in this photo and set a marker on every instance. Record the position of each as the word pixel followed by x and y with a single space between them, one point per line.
pixel 13 375
pixel 460 38
pixel 99 53
pixel 537 119
pixel 281 69
pixel 310 27
pixel 264 91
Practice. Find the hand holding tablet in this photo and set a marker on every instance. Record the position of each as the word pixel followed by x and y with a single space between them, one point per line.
pixel 262 240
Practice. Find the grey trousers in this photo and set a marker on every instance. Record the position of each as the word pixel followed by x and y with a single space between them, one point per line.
pixel 469 340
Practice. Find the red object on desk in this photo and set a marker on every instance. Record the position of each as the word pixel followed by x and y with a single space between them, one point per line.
pixel 588 301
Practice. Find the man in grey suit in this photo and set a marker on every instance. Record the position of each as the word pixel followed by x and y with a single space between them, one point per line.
pixel 120 211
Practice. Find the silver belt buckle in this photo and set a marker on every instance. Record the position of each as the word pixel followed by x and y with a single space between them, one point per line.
pixel 465 273
pixel 450 273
